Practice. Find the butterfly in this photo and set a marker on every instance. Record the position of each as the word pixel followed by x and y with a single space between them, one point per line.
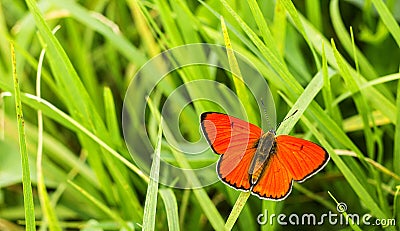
pixel 263 163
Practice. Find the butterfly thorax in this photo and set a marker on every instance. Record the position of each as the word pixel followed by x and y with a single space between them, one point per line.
pixel 266 146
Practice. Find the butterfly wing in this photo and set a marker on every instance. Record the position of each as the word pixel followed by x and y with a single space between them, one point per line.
pixel 236 140
pixel 300 157
pixel 275 182
pixel 293 159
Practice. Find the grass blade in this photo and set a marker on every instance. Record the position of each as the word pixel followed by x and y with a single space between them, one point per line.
pixel 396 152
pixel 347 172
pixel 206 204
pixel 375 97
pixel 76 126
pixel 361 105
pixel 303 102
pixel 313 10
pixel 113 215
pixel 85 17
pixel 237 78
pixel 79 103
pixel 331 109
pixel 388 19
pixel 47 209
pixel 171 208
pixel 353 225
pixel 26 176
pixel 366 68
pixel 279 27
pixel 237 208
pixel 119 173
pixel 150 206
pixel 266 32
pixel 291 9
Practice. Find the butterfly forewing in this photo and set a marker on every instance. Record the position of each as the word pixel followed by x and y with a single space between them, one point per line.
pixel 236 140
pixel 300 157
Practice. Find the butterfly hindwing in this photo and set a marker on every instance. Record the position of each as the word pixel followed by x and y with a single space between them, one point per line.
pixel 236 140
pixel 233 168
pixel 275 182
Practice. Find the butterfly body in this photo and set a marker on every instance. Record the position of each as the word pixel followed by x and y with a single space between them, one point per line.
pixel 265 147
pixel 262 163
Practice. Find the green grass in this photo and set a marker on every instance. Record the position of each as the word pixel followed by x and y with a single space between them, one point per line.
pixel 26 181
pixel 65 164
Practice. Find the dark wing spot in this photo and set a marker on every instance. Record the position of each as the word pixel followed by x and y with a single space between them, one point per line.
pixel 232 124
pixel 301 147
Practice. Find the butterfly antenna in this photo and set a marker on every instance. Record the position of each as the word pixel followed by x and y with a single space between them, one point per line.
pixel 265 113
pixel 291 114
pixel 288 117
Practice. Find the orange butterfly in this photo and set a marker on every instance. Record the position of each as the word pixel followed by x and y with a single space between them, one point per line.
pixel 260 162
